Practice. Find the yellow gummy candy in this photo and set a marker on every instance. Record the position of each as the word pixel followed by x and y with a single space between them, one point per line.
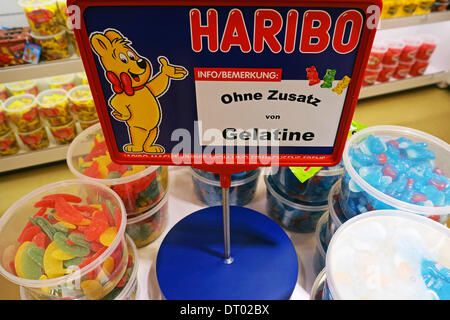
pixel 108 265
pixel 18 259
pixel 92 289
pixel 59 254
pixel 53 267
pixel 108 236
pixel 44 289
pixel 68 225
pixel 18 104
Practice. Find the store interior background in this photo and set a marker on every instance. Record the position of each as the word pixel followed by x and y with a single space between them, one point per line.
pixel 426 108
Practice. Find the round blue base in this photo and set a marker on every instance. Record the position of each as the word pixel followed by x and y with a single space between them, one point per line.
pixel 190 264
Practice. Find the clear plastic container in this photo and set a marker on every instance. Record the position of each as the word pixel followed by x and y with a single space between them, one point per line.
pixel 418 68
pixel 8 144
pixel 22 112
pixel 386 72
pixel 43 16
pixel 241 192
pixel 376 55
pixel 22 87
pixel 36 139
pixel 294 216
pixel 78 250
pixel 389 255
pixel 4 125
pixel 321 245
pixel 395 48
pixel 318 286
pixel 402 70
pixel 336 216
pixel 370 76
pixel 54 107
pixel 66 81
pixel 64 134
pixel 313 190
pixel 409 52
pixel 82 77
pixel 54 47
pixel 3 92
pixel 147 227
pixel 86 124
pixel 83 105
pixel 358 196
pixel 140 187
pixel 426 49
pixel 73 41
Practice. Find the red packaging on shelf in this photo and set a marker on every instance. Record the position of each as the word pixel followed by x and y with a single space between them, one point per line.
pixel 426 49
pixel 12 44
pixel 386 72
pixel 376 55
pixel 418 68
pixel 370 76
pixel 402 70
pixel 393 52
pixel 409 52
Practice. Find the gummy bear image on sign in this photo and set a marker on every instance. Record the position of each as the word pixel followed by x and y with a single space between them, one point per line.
pixel 136 92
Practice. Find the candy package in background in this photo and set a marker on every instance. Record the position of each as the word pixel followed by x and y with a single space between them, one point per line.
pixel 22 112
pixel 8 144
pixel 12 45
pixel 54 46
pixel 43 16
pixel 32 53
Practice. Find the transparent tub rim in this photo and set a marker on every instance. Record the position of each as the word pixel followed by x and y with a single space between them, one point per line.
pixel 318 281
pixel 30 3
pixel 366 187
pixel 234 183
pixel 368 215
pixel 79 87
pixel 41 128
pixel 71 123
pixel 63 79
pixel 150 212
pixel 18 97
pixel 335 189
pixel 323 219
pixel 73 276
pixel 47 92
pixel 110 182
pixel 133 277
pixel 28 86
pixel 295 205
pixel 47 37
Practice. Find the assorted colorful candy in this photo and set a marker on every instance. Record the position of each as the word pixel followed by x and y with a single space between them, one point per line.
pixel 295 216
pixel 64 134
pixel 22 111
pixel 8 144
pixel 3 92
pixel 241 192
pixel 4 126
pixel 86 124
pixel 35 140
pixel 63 235
pixel 53 46
pixel 54 107
pixel 386 72
pixel 82 77
pixel 83 103
pixel 22 87
pixel 43 16
pixel 399 168
pixel 65 82
pixel 313 190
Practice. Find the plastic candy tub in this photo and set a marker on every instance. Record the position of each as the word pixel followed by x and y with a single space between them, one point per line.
pixel 65 82
pixel 390 8
pixel 22 112
pixel 412 45
pixel 426 49
pixel 315 189
pixel 86 124
pixel 36 139
pixel 140 187
pixel 418 68
pixel 318 286
pixel 294 216
pixel 402 70
pixel 4 125
pixel 43 16
pixel 393 167
pixel 389 255
pixel 386 72
pixel 8 144
pixel 81 76
pixel 376 55
pixel 22 87
pixel 83 103
pixel 3 92
pixel 395 48
pixel 54 107
pixel 53 46
pixel 321 244
pixel 147 227
pixel 64 134
pixel 241 192
pixel 65 240
pixel 370 76
pixel 336 216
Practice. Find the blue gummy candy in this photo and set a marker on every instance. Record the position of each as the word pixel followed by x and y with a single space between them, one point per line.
pixel 436 278
pixel 404 143
pixel 375 145
pixel 433 194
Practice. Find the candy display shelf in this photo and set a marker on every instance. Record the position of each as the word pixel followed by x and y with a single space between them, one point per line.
pixel 414 20
pixel 40 70
pixel 433 75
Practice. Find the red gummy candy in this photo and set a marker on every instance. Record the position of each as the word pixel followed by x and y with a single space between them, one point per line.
pixel 98 224
pixel 45 204
pixel 67 212
pixel 382 158
pixel 435 217
pixel 65 196
pixel 40 213
pixel 92 171
pixel 41 240
pixel 108 215
pixel 97 246
pixel 99 149
pixel 117 217
pixel 440 185
pixel 29 233
pixel 389 171
pixel 419 197
pixel 117 167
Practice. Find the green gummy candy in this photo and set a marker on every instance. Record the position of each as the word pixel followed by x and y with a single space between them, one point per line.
pixel 113 175
pixel 133 231
pixel 80 240
pixel 30 269
pixel 60 227
pixel 74 250
pixel 72 262
pixel 37 254
pixel 46 227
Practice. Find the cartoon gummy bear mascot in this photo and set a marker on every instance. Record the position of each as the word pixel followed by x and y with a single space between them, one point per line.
pixel 136 92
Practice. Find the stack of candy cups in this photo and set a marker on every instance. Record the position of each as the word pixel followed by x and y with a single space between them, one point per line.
pixel 314 190
pixel 65 82
pixel 208 190
pixel 65 133
pixel 321 244
pixel 418 68
pixel 3 92
pixel 427 47
pixel 139 187
pixel 82 104
pixel 402 70
pixel 293 215
pixel 54 107
pixel 318 286
pixel 376 55
pixel 370 76
pixel 147 227
pixel 4 125
pixel 65 240
pixel 82 77
pixel 424 7
pixel 439 6
pixel 8 144
pixel 336 216
pixel 36 139
pixel 410 49
pixel 22 87
pixel 395 48
pixel 53 46
pixel 43 16
pixel 408 8
pixel 406 164
pixel 386 72
pixel 408 266
pixel 127 287
pixel 22 112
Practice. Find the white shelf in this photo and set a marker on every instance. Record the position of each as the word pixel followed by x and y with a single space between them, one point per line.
pixel 401 22
pixel 41 70
pixel 432 76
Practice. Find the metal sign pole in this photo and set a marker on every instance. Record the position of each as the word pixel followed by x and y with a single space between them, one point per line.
pixel 226 225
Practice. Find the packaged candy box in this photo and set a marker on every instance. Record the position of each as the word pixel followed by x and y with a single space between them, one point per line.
pixel 393 167
pixel 139 187
pixel 12 45
pixel 208 190
pixel 388 255
pixel 65 240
